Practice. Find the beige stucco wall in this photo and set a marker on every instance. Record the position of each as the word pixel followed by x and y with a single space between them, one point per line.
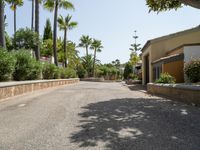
pixel 159 48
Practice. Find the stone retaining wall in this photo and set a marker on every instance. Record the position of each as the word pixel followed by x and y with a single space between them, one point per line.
pixel 9 89
pixel 181 92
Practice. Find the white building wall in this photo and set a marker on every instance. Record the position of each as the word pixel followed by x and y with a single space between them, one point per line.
pixel 191 52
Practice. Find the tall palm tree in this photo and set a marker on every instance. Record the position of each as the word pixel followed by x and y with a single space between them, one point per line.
pixel 55 5
pixel 14 5
pixel 2 25
pixel 66 24
pixel 32 13
pixel 85 42
pixel 97 47
pixel 37 12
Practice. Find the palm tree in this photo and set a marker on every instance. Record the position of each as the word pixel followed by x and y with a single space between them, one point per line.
pixel 14 5
pixel 55 5
pixel 65 24
pixel 97 47
pixel 2 25
pixel 37 12
pixel 85 42
pixel 32 14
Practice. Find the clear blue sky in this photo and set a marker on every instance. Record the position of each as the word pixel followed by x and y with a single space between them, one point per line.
pixel 113 22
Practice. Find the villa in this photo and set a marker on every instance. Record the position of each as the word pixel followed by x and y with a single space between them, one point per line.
pixel 169 54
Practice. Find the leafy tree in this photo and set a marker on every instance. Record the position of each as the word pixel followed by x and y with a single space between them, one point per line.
pixel 97 47
pixel 47 31
pixel 55 5
pixel 14 5
pixel 164 5
pixel 2 24
pixel 25 38
pixel 66 24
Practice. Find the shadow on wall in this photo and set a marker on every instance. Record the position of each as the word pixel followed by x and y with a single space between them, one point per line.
pixel 139 124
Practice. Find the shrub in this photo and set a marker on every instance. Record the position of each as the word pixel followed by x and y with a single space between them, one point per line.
pixel 81 72
pixel 7 65
pixel 49 71
pixel 70 73
pixel 192 70
pixel 133 76
pixel 26 68
pixel 166 78
pixel 128 70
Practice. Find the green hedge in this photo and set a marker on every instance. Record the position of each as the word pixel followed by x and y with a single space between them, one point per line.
pixel 7 65
pixel 26 68
pixel 192 70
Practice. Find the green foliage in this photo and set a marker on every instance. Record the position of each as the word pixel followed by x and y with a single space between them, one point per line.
pixel 134 58
pixel 166 78
pixel 163 5
pixel 7 65
pixel 47 48
pixel 192 70
pixel 47 31
pixel 50 71
pixel 81 72
pixel 70 73
pixel 128 70
pixel 26 68
pixel 133 76
pixel 9 45
pixel 25 39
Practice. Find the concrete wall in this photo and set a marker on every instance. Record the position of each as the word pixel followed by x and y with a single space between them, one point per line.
pixel 191 52
pixel 185 93
pixel 175 69
pixel 18 88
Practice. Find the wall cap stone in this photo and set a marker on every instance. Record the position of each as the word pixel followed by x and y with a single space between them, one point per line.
pixel 177 86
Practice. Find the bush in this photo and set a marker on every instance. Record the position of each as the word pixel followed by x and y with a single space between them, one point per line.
pixel 70 73
pixel 7 65
pixel 26 68
pixel 166 78
pixel 128 70
pixel 192 70
pixel 133 76
pixel 50 71
pixel 81 72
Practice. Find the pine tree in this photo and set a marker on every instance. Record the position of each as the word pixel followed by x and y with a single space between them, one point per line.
pixel 47 31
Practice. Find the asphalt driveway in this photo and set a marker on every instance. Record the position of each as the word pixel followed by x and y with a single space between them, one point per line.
pixel 97 116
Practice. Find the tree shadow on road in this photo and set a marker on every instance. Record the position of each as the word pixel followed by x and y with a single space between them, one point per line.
pixel 139 124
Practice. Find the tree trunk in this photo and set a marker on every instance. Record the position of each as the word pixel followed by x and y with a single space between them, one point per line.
pixel 87 51
pixel 37 48
pixel 15 24
pixel 65 48
pixel 192 3
pixel 32 16
pixel 94 62
pixel 55 33
pixel 2 25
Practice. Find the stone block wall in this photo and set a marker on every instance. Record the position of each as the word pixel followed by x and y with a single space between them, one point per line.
pixel 18 88
pixel 185 93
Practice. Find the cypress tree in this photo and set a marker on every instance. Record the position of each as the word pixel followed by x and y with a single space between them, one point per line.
pixel 47 31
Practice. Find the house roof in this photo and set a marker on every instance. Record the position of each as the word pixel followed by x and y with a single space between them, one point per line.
pixel 149 42
pixel 170 58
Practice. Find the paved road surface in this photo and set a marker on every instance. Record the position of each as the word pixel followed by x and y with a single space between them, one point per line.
pixel 97 116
